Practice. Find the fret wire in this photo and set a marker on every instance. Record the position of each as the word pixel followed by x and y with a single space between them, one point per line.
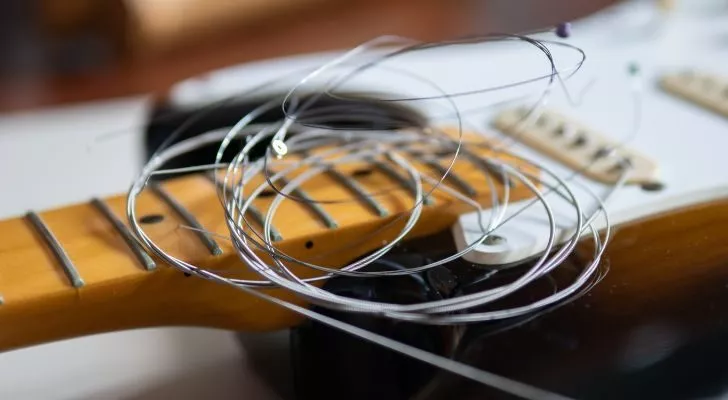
pixel 259 219
pixel 187 217
pixel 309 202
pixel 454 178
pixel 354 188
pixel 55 246
pixel 141 255
pixel 257 215
pixel 394 175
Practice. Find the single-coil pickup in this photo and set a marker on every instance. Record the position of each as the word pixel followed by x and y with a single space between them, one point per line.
pixel 577 146
pixel 706 90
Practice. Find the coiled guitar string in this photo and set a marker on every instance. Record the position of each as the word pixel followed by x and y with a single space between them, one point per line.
pixel 360 264
pixel 361 146
pixel 280 134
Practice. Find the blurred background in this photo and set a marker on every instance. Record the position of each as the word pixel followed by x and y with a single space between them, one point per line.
pixel 60 51
pixel 72 68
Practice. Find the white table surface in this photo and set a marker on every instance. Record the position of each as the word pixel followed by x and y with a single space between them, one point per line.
pixel 54 157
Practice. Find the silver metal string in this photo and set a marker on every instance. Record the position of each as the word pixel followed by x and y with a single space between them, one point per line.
pixel 334 147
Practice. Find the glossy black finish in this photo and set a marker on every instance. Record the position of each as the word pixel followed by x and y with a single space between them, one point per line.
pixel 627 338
pixel 356 111
pixel 331 365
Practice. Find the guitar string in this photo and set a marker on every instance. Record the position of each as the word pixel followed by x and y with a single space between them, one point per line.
pixel 413 270
pixel 441 362
pixel 267 238
pixel 269 182
pixel 280 134
pixel 376 144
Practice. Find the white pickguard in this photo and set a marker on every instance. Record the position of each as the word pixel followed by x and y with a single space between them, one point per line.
pixel 688 142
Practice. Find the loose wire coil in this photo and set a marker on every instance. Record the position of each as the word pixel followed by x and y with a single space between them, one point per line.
pixel 305 142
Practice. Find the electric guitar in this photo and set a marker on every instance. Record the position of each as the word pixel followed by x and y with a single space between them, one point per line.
pixel 75 270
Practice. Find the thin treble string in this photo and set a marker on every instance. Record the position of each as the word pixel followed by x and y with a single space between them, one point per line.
pixel 268 239
pixel 278 273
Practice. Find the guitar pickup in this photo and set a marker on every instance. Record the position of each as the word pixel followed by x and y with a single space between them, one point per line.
pixel 577 146
pixel 706 90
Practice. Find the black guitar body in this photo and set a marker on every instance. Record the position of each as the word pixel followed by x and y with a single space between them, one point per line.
pixel 655 327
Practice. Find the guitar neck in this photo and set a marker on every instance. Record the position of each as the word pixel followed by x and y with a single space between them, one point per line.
pixel 76 270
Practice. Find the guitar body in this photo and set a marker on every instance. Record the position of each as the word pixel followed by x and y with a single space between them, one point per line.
pixel 654 327
pixel 651 327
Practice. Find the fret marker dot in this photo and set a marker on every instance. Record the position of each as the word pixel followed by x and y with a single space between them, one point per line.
pixel 362 172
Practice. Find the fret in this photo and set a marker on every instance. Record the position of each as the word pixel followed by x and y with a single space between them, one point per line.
pixel 353 187
pixel 55 246
pixel 395 176
pixel 486 167
pixel 309 203
pixel 452 176
pixel 473 156
pixel 187 217
pixel 141 255
pixel 359 193
pixel 257 216
pixel 259 219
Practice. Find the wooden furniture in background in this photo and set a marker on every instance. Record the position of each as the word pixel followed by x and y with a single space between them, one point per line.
pixel 146 46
